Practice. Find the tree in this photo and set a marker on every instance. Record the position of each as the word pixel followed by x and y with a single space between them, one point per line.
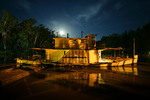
pixel 44 37
pixel 7 24
pixel 125 40
pixel 25 33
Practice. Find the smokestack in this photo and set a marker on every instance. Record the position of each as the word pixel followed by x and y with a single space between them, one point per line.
pixel 81 34
pixel 67 35
pixel 53 33
pixel 57 34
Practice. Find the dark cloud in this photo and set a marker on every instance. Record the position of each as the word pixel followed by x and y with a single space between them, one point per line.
pixel 25 4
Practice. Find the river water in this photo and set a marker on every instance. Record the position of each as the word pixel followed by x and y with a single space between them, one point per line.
pixel 83 83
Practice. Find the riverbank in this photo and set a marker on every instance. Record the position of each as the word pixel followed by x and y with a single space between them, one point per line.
pixel 10 75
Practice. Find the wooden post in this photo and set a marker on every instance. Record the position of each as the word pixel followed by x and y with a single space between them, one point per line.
pixel 100 55
pixel 114 54
pixel 133 50
pixel 133 47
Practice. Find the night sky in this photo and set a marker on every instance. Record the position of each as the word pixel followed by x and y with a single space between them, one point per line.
pixel 102 17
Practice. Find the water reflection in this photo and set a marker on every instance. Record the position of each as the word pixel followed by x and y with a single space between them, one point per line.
pixel 95 77
pixel 92 79
pixel 88 79
pixel 129 69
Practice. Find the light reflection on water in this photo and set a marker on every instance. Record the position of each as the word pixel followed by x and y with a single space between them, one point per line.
pixel 87 79
pixel 95 77
pixel 128 69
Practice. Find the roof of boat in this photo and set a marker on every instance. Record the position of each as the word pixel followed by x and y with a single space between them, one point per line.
pixel 118 48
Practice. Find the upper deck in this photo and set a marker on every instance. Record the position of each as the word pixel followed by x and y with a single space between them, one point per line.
pixel 89 42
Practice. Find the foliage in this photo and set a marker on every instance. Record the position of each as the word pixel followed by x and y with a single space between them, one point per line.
pixel 125 40
pixel 7 27
pixel 15 35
